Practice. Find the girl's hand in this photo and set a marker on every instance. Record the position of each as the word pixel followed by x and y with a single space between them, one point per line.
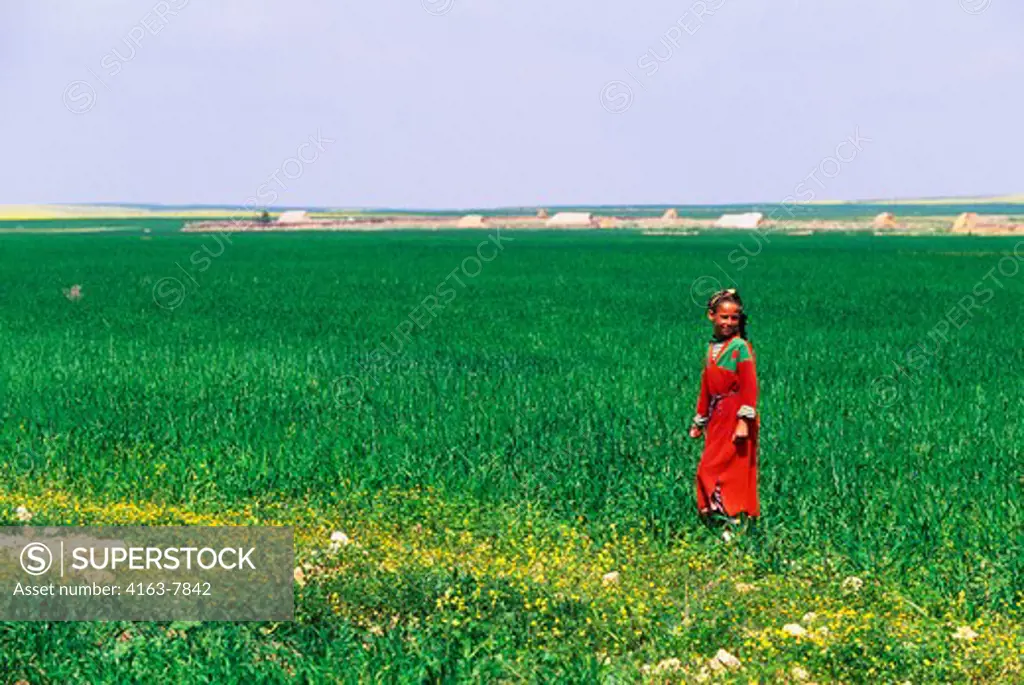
pixel 742 430
pixel 696 432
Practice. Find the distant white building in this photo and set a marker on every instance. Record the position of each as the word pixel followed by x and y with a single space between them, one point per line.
pixel 747 220
pixel 472 221
pixel 294 216
pixel 572 220
pixel 884 220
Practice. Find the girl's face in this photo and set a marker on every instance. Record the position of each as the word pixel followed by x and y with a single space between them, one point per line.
pixel 725 319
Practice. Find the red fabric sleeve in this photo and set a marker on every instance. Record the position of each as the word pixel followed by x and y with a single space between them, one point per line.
pixel 747 372
pixel 704 397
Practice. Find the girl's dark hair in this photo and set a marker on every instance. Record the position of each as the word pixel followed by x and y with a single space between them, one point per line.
pixel 730 295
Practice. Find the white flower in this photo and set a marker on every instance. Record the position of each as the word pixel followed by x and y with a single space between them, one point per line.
pixel 726 535
pixel 23 514
pixel 664 666
pixel 794 629
pixel 610 578
pixel 809 617
pixel 799 673
pixel 853 584
pixel 964 633
pixel 668 665
pixel 338 540
pixel 745 587
pixel 724 661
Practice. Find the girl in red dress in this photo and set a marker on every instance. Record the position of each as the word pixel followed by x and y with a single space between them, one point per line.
pixel 727 415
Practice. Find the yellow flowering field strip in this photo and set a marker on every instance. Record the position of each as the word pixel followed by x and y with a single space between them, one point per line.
pixel 532 584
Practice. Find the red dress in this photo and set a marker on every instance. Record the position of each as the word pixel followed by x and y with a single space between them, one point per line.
pixel 727 474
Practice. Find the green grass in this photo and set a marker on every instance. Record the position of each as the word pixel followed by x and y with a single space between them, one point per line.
pixel 561 378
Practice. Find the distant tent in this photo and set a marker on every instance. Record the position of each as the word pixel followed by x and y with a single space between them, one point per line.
pixel 572 220
pixel 965 223
pixel 670 215
pixel 885 220
pixel 472 221
pixel 542 213
pixel 294 216
pixel 748 220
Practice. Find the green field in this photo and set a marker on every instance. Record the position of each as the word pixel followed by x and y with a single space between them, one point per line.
pixel 527 437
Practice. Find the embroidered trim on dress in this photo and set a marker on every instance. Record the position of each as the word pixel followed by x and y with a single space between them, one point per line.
pixel 746 412
pixel 717 506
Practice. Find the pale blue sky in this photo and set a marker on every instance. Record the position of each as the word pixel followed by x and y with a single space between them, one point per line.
pixel 500 103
